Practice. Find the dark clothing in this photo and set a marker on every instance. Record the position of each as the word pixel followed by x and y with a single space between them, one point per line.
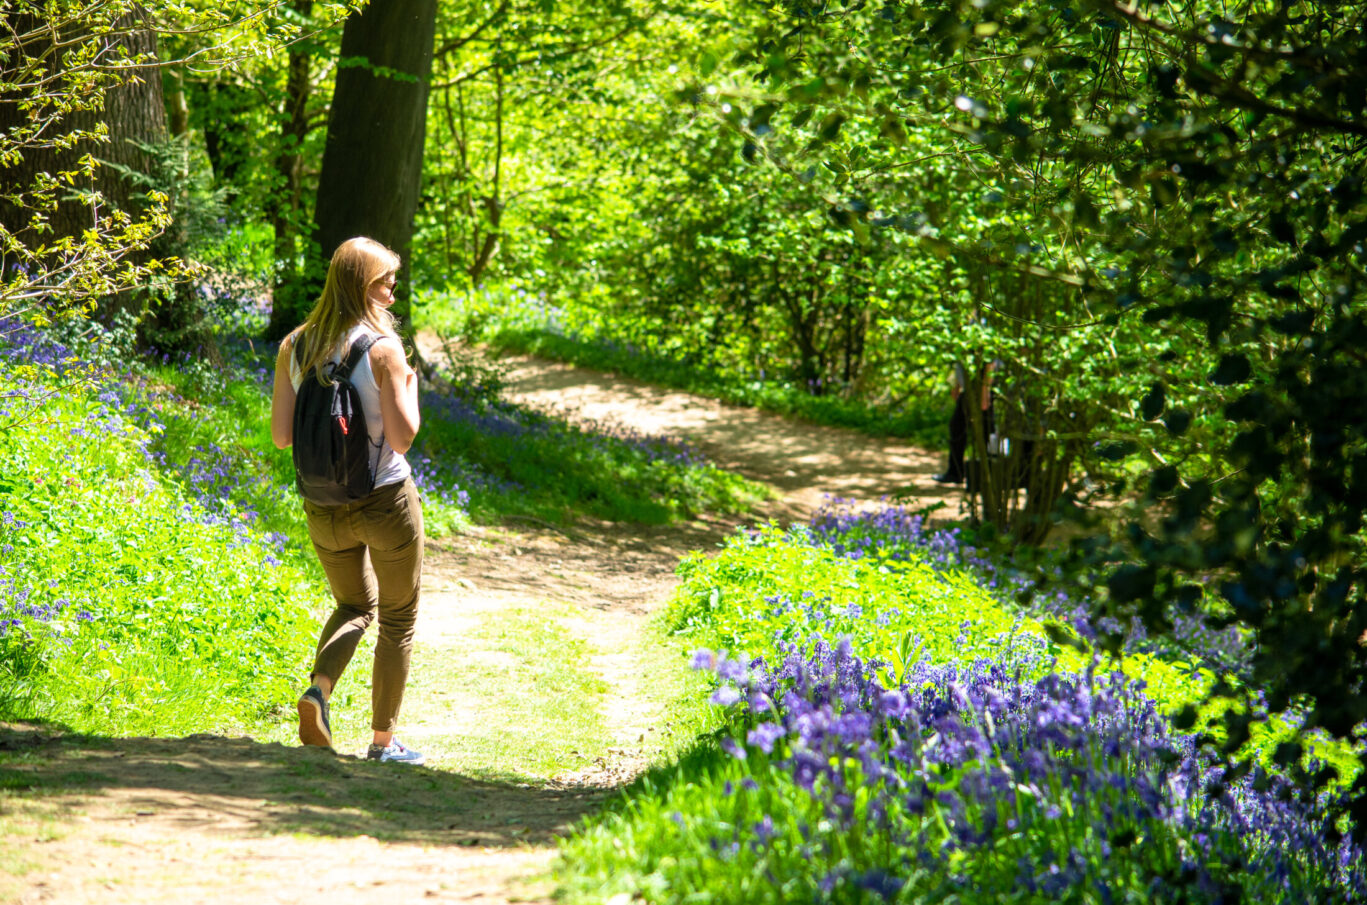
pixel 959 426
pixel 958 440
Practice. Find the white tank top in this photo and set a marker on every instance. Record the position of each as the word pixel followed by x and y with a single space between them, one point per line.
pixel 392 467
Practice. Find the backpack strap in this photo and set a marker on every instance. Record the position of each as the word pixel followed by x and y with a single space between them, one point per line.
pixel 358 348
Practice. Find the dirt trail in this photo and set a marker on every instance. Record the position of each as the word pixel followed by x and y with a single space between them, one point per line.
pixel 805 462
pixel 210 819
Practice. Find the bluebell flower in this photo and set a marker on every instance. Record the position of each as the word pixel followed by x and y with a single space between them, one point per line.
pixel 765 735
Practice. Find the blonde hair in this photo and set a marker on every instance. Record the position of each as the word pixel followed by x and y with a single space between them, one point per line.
pixel 357 265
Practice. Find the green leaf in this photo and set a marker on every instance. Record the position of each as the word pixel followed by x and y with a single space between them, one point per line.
pixel 830 127
pixel 762 114
pixel 893 129
pixel 1064 636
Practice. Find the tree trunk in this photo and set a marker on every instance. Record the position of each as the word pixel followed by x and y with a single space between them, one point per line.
pixel 493 205
pixel 133 110
pixel 176 103
pixel 372 163
pixel 130 105
pixel 291 298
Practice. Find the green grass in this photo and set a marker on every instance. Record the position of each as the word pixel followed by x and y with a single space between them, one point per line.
pixel 688 831
pixel 513 699
pixel 517 462
pixel 679 693
pixel 154 615
pixel 943 616
pixel 516 697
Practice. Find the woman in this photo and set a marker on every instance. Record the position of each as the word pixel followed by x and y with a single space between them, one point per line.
pixel 960 421
pixel 387 524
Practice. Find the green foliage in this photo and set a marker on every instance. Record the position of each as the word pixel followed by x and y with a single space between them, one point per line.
pixel 62 62
pixel 744 829
pixel 224 430
pixel 173 313
pixel 518 87
pixel 1123 169
pixel 178 170
pixel 631 221
pixel 940 615
pixel 128 607
pixel 54 120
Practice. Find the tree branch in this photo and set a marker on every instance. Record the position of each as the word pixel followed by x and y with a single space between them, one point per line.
pixel 457 43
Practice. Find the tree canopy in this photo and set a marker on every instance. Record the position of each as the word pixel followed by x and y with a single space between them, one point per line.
pixel 1159 208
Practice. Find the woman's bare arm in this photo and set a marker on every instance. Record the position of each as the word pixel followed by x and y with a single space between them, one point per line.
pixel 282 399
pixel 398 393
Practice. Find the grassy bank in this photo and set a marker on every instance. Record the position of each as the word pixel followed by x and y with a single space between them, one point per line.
pixel 896 731
pixel 145 586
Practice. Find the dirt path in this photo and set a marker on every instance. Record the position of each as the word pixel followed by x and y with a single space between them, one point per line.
pixel 805 462
pixel 211 819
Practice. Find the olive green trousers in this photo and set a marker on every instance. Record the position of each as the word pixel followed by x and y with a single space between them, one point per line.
pixel 371 550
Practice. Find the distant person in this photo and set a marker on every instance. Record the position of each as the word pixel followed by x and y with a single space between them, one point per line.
pixel 954 472
pixel 371 548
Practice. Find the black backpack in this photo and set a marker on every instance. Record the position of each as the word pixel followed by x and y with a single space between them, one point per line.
pixel 334 460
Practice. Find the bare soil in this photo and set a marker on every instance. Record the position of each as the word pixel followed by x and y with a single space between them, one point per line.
pixel 213 819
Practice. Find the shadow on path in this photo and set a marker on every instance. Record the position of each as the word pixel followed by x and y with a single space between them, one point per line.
pixel 217 784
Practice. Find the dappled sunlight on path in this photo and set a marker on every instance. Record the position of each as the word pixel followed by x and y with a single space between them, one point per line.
pixel 806 462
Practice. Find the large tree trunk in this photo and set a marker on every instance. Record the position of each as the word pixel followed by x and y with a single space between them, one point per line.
pixel 372 164
pixel 133 110
pixel 130 105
